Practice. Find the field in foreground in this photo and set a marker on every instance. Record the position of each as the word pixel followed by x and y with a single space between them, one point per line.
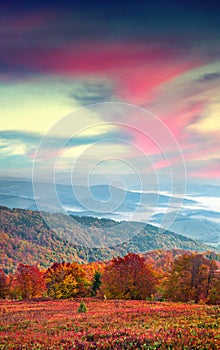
pixel 108 325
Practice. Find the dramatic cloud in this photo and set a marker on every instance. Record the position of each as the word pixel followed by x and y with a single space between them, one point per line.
pixel 163 57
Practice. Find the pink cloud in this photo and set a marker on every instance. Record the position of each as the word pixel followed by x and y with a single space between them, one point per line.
pixel 186 114
pixel 138 84
pixel 169 134
pixel 212 172
pixel 137 69
pixel 162 164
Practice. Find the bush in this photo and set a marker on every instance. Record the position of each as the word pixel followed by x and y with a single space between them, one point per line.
pixel 82 307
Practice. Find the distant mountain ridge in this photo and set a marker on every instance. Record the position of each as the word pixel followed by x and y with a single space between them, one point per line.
pixel 26 237
pixel 194 220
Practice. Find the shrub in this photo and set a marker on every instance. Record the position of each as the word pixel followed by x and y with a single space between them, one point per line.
pixel 82 307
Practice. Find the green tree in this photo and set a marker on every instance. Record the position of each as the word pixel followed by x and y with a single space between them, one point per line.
pixel 82 308
pixel 96 283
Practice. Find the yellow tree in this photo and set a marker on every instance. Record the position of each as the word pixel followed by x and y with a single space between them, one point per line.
pixel 65 280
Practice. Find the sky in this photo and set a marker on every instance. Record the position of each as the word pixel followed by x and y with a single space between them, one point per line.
pixel 113 90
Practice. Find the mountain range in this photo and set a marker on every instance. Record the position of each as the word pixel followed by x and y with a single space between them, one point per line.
pixel 33 237
pixel 195 215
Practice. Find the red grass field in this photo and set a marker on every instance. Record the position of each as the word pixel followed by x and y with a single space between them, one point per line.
pixel 108 325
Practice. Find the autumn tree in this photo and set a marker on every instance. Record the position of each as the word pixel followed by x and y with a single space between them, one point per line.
pixel 128 278
pixel 65 280
pixel 3 284
pixel 214 285
pixel 13 288
pixel 191 278
pixel 27 282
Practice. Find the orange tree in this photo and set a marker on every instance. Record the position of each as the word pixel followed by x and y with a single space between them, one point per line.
pixel 192 277
pixel 214 291
pixel 65 280
pixel 128 278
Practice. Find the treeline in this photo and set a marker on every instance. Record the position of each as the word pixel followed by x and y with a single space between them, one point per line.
pixel 190 277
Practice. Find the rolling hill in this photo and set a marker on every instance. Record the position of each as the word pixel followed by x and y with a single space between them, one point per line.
pixel 199 217
pixel 25 236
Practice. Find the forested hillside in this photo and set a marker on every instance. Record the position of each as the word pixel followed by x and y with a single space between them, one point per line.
pixel 26 238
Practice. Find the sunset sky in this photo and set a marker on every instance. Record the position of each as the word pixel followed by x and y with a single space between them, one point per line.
pixel 160 56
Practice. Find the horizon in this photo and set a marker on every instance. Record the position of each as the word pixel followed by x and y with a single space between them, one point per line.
pixel 110 176
pixel 128 96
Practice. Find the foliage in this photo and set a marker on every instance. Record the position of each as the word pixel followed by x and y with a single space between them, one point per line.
pixel 110 324
pixel 128 278
pixel 190 277
pixel 27 282
pixel 66 280
pixel 193 277
pixel 26 238
pixel 3 284
pixel 82 307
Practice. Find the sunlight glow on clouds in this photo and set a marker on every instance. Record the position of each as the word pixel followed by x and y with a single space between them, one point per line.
pixel 211 120
pixel 55 61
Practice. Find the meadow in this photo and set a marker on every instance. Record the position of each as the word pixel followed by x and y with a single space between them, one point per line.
pixel 108 324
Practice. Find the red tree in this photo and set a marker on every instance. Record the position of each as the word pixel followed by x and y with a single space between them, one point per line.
pixel 128 278
pixel 29 281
